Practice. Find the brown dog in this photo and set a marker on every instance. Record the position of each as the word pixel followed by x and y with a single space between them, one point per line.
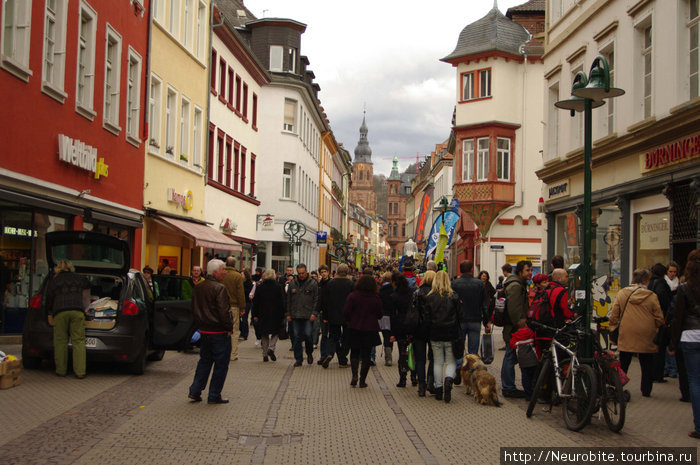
pixel 479 381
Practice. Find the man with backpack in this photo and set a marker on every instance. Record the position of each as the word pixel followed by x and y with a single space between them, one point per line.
pixel 516 310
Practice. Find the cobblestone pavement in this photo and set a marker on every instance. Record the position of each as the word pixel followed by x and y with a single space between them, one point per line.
pixel 284 415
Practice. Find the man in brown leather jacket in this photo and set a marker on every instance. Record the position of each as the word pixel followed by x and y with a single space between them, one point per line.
pixel 212 313
pixel 236 295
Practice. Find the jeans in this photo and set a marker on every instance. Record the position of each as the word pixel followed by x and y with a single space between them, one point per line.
pixel 420 349
pixel 333 343
pixel 508 370
pixel 473 330
pixel 69 323
pixel 691 354
pixel 646 361
pixel 302 332
pixel 245 327
pixel 443 354
pixel 671 369
pixel 214 349
pixel 682 374
pixel 316 330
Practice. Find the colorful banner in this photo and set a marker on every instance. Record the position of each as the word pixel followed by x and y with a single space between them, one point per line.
pixel 451 218
pixel 423 216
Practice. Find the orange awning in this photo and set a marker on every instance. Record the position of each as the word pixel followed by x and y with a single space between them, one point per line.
pixel 203 235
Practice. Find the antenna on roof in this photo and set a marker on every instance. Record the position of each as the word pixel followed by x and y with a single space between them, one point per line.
pixel 495 4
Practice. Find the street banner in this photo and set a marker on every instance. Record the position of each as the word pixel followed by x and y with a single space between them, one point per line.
pixel 451 218
pixel 423 216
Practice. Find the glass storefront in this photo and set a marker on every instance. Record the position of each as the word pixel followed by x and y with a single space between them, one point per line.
pixel 651 231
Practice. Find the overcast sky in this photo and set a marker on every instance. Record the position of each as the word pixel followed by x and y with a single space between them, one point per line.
pixel 383 54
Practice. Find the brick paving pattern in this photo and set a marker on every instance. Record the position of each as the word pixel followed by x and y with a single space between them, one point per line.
pixel 284 415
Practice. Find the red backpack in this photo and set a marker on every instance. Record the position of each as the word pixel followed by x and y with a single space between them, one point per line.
pixel 542 311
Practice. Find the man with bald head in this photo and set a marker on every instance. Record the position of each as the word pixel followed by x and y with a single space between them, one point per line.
pixel 559 296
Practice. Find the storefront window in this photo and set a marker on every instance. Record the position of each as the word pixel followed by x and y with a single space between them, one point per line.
pixel 606 256
pixel 651 235
pixel 567 243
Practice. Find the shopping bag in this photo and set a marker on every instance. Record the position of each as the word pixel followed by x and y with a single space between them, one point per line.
pixel 487 348
pixel 411 358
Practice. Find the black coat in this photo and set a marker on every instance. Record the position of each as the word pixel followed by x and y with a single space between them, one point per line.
pixel 385 292
pixel 442 315
pixel 419 302
pixel 268 307
pixel 401 304
pixel 660 287
pixel 475 302
pixel 332 301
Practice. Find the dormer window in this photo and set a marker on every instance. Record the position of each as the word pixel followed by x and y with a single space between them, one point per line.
pixel 292 60
pixel 276 54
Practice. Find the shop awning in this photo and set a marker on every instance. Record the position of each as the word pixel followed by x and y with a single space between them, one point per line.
pixel 203 235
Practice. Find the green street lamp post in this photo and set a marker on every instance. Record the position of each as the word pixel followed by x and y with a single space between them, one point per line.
pixel 294 231
pixel 588 92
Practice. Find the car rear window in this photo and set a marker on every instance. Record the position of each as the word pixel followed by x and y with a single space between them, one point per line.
pixel 89 255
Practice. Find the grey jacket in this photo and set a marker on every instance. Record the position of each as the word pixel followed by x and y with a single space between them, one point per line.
pixel 302 298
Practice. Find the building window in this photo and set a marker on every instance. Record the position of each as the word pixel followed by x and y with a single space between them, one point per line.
pixel 212 76
pixel 159 10
pixel 576 121
pixel 644 88
pixel 55 19
pixel 230 86
pixel 485 83
pixel 482 165
pixel 170 111
pixel 245 101
pixel 184 130
pixel 476 84
pixel 220 138
pixel 292 52
pixel 133 95
pixel 607 118
pixel 222 78
pixel 238 94
pixel 210 160
pixel 290 114
pixel 467 160
pixel 229 154
pixel 553 123
pixel 113 51
pixel 197 137
pixel 154 110
pixel 276 57
pixel 187 32
pixel 646 53
pixel 174 18
pixel 202 28
pixel 236 166
pixel 252 175
pixel 287 178
pixel 16 32
pixel 242 170
pixel 85 85
pixel 255 111
pixel 693 26
pixel 503 166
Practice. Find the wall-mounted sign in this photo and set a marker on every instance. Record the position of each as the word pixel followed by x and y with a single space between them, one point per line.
pixel 653 231
pixel 83 156
pixel 228 226
pixel 186 200
pixel 321 237
pixel 22 232
pixel 268 222
pixel 559 190
pixel 669 154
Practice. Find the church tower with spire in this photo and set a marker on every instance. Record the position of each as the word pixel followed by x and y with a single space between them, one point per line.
pixel 362 190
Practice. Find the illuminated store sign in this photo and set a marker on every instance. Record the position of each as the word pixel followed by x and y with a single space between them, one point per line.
pixel 186 200
pixel 23 232
pixel 77 153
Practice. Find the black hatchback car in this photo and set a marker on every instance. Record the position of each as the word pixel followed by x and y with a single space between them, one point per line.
pixel 126 322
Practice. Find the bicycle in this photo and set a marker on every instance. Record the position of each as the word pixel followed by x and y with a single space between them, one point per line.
pixel 576 383
pixel 611 398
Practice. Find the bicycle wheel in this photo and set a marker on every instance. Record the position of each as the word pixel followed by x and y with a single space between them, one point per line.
pixel 545 374
pixel 579 396
pixel 612 400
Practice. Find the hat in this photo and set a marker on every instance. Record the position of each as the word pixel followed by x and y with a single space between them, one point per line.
pixel 539 278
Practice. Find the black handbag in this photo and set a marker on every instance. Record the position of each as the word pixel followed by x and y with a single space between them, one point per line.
pixel 283 334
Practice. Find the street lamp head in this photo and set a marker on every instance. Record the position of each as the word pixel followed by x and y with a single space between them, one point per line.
pixel 576 103
pixel 598 86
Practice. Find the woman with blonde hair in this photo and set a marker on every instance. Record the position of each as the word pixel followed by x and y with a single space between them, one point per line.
pixel 268 313
pixel 421 335
pixel 67 298
pixel 442 316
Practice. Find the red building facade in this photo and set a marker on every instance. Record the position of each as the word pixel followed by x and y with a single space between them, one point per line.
pixel 73 81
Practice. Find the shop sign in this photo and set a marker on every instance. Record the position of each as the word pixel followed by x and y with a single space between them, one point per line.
pixel 321 237
pixel 186 200
pixel 670 154
pixel 83 156
pixel 228 226
pixel 22 232
pixel 653 231
pixel 268 223
pixel 557 191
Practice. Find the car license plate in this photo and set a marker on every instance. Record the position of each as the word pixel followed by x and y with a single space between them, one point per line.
pixel 91 342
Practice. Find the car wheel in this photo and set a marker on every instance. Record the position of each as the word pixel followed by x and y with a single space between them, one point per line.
pixel 138 366
pixel 156 356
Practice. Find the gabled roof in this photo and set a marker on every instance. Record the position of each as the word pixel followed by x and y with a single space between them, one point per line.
pixel 493 32
pixel 235 12
pixel 534 6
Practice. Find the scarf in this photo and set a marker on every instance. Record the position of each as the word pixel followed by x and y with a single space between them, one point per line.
pixel 672 283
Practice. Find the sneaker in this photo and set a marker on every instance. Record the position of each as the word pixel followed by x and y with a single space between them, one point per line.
pixel 298 363
pixel 514 394
pixel 310 359
pixel 326 361
pixel 271 354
